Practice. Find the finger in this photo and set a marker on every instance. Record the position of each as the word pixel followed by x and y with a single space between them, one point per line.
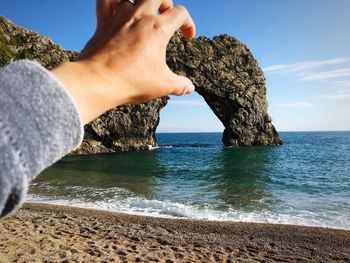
pixel 180 85
pixel 104 10
pixel 125 7
pixel 153 6
pixel 178 17
pixel 165 5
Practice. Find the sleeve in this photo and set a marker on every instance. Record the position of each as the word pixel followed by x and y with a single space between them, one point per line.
pixel 39 124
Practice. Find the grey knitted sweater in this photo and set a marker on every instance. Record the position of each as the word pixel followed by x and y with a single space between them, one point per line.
pixel 39 124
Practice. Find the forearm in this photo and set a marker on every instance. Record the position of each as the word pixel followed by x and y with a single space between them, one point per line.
pixel 39 124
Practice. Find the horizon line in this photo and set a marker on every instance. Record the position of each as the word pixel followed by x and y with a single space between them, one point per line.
pixel 277 131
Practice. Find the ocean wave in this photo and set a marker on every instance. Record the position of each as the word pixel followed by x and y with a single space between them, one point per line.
pixel 151 147
pixel 167 209
pixel 165 146
pixel 189 145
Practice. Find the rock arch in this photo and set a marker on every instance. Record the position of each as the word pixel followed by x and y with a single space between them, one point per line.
pixel 229 78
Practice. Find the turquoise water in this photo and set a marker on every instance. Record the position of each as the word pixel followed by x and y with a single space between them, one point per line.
pixel 306 181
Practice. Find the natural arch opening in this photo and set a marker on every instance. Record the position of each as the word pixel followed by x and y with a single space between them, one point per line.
pixel 188 114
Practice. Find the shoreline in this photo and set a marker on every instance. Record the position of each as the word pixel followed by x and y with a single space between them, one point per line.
pixel 141 214
pixel 52 233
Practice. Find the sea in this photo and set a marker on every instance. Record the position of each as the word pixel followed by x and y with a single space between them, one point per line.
pixel 305 181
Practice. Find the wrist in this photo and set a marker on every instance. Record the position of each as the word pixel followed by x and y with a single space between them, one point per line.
pixel 90 89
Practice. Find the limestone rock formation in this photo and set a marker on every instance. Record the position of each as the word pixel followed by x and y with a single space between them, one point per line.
pixel 125 128
pixel 19 43
pixel 224 71
pixel 229 78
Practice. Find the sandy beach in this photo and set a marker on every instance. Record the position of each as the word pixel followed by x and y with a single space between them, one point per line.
pixel 47 233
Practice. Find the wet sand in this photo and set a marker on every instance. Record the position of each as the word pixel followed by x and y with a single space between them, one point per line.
pixel 47 233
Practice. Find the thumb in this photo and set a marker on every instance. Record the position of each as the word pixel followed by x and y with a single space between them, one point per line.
pixel 104 10
pixel 180 85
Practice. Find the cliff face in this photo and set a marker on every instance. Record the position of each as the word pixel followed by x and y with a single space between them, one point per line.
pixel 125 128
pixel 224 71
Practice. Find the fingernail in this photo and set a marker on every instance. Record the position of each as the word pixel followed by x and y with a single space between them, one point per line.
pixel 190 89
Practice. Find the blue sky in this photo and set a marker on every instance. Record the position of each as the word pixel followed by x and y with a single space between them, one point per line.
pixel 302 45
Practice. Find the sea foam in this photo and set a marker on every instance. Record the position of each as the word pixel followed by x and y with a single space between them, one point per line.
pixel 166 209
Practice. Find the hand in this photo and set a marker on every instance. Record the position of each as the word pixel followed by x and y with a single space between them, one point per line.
pixel 125 60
